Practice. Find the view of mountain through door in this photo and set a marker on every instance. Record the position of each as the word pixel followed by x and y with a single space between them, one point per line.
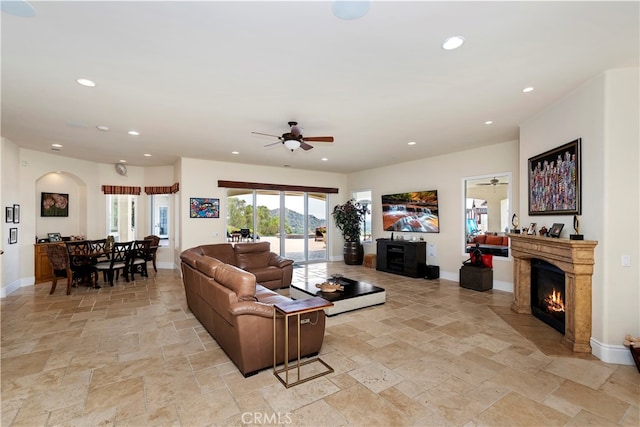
pixel 299 217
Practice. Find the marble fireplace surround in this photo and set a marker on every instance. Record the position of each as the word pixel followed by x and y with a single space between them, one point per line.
pixel 576 259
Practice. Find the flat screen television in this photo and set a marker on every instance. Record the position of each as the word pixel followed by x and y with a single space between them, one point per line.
pixel 411 212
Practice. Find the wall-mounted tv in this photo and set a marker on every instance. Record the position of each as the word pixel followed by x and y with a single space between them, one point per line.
pixel 411 212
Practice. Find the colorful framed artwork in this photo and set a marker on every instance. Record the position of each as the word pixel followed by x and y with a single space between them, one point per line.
pixel 200 207
pixel 554 181
pixel 54 204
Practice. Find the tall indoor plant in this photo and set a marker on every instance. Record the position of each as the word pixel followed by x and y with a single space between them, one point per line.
pixel 349 217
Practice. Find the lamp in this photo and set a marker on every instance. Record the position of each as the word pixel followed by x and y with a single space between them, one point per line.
pixel 292 144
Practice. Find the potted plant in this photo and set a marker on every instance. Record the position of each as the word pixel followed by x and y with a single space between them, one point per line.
pixel 348 218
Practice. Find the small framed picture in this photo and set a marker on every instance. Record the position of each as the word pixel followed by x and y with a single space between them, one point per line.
pixel 13 236
pixel 555 230
pixel 532 228
pixel 8 214
pixel 16 214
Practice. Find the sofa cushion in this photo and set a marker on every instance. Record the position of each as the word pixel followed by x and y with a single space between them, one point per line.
pixel 267 274
pixel 208 265
pixel 252 255
pixel 241 282
pixel 494 240
pixel 222 251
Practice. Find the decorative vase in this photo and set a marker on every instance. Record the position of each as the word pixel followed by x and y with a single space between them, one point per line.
pixel 353 253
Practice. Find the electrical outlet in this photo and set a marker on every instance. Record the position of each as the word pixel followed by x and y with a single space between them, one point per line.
pixel 626 261
pixel 305 321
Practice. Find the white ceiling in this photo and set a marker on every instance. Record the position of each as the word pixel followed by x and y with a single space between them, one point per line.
pixel 196 78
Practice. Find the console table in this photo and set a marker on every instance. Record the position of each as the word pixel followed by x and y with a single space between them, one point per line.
pixel 405 257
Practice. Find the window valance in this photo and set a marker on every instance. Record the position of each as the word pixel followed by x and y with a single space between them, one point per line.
pixel 163 190
pixel 276 187
pixel 120 189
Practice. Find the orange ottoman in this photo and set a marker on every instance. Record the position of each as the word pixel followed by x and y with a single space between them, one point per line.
pixel 370 260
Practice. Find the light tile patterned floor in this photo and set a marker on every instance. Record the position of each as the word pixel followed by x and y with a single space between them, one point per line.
pixel 434 355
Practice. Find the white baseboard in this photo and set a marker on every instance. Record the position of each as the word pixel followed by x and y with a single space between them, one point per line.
pixel 15 285
pixel 608 353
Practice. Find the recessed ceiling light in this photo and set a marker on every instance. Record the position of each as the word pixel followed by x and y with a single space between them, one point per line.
pixel 324 159
pixel 122 161
pixel 147 155
pixel 18 8
pixel 411 143
pixel 103 128
pixel 528 89
pixel 452 42
pixel 488 122
pixel 133 132
pixel 350 9
pixel 86 82
pixel 57 145
pixel 235 152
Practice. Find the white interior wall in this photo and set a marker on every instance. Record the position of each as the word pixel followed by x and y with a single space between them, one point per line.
pixel 445 174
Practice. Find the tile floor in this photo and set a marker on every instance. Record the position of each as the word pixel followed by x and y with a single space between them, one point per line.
pixel 434 355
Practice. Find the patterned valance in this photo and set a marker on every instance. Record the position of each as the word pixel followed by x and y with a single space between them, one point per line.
pixel 163 190
pixel 120 189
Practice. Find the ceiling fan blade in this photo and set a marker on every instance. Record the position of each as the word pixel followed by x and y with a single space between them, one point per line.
pixel 305 146
pixel 273 143
pixel 318 138
pixel 266 134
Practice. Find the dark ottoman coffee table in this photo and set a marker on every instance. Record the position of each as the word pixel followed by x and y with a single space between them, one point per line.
pixel 355 295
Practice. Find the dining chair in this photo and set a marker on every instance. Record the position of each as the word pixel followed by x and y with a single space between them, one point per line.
pixel 60 265
pixel 82 261
pixel 245 234
pixel 139 256
pixel 118 262
pixel 100 247
pixel 155 242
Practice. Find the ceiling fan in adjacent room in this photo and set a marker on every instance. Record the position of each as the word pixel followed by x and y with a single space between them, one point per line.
pixel 294 139
pixel 493 181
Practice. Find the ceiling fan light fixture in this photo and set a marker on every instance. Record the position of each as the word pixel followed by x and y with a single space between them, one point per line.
pixel 292 144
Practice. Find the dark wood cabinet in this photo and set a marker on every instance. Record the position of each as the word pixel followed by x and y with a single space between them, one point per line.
pixel 405 257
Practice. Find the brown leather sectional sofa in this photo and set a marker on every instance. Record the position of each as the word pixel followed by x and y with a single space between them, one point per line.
pixel 238 312
pixel 271 270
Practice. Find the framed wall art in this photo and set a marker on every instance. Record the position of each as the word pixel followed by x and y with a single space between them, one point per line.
pixel 13 236
pixel 16 214
pixel 554 181
pixel 8 214
pixel 200 207
pixel 54 204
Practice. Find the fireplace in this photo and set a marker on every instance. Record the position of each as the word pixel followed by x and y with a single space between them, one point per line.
pixel 547 293
pixel 575 259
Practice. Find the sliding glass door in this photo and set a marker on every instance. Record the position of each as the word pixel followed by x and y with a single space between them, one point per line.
pixel 293 222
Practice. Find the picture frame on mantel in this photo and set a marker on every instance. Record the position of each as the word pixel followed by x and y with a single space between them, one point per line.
pixel 555 181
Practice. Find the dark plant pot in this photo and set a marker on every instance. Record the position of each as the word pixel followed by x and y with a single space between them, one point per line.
pixel 353 253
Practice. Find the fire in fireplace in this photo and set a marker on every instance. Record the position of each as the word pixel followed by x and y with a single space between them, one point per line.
pixel 547 293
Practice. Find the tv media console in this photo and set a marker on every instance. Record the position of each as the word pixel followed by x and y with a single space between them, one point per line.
pixel 405 257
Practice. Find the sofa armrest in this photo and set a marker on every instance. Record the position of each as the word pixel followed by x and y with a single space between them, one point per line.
pixel 251 308
pixel 279 261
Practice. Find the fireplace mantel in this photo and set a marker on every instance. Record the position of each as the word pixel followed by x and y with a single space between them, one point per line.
pixel 574 257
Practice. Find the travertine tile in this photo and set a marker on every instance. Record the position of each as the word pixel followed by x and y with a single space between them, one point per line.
pixel 134 355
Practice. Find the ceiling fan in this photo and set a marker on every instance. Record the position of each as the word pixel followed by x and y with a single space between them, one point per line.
pixel 493 181
pixel 294 139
